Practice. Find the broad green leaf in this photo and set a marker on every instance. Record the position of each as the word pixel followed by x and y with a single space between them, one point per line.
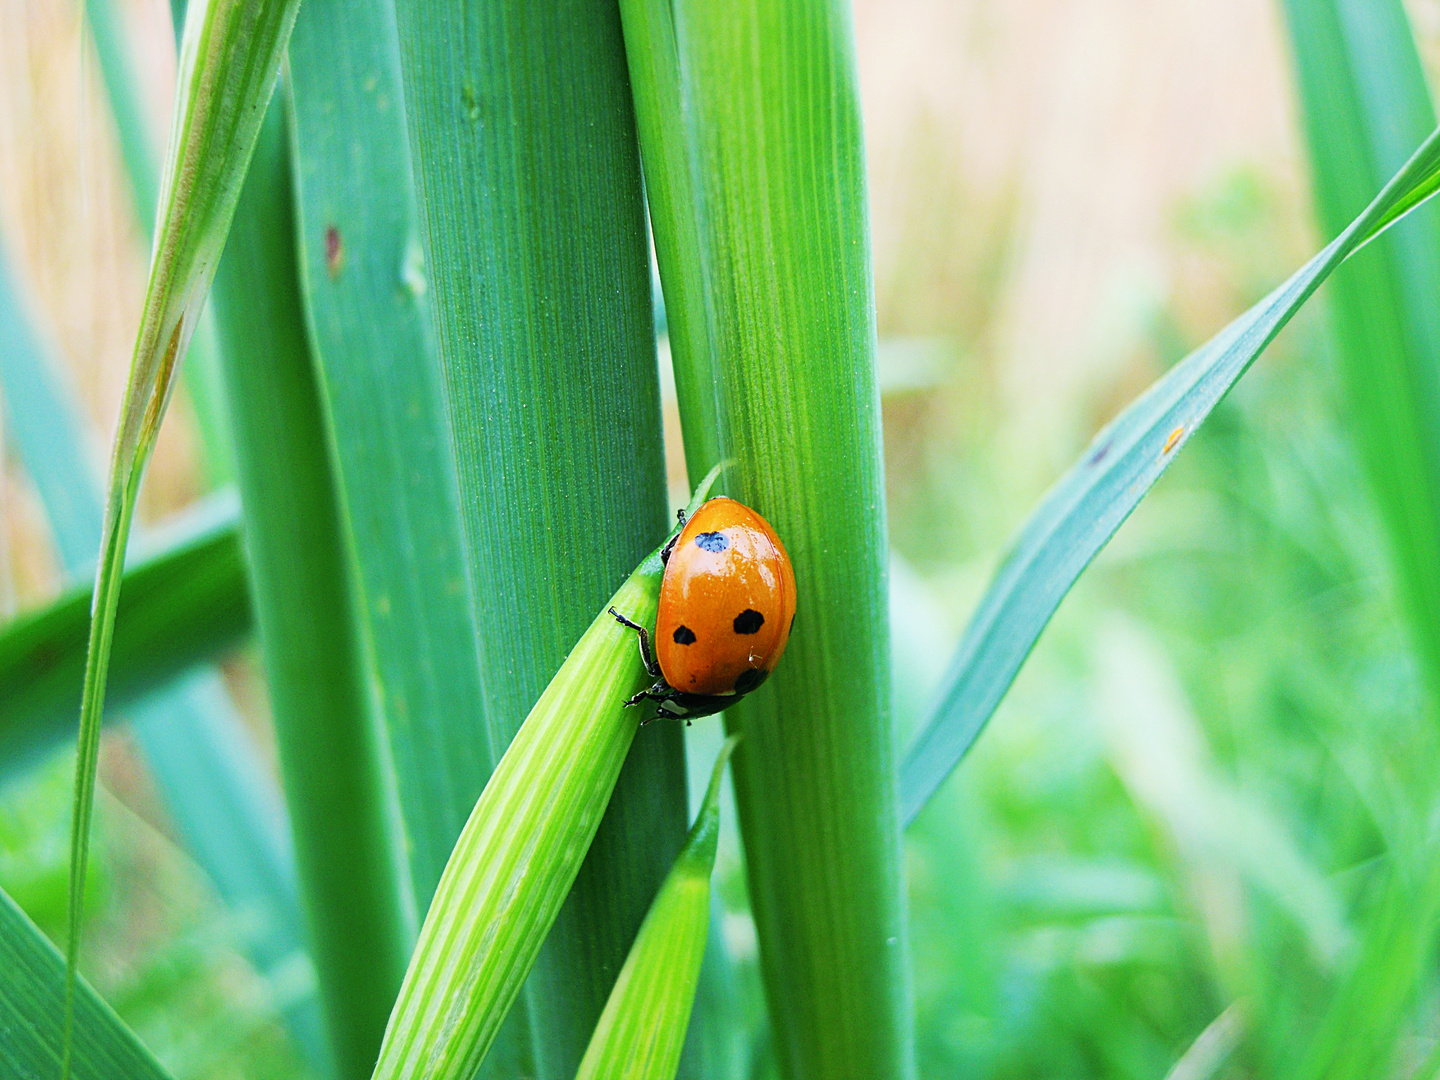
pixel 533 226
pixel 361 925
pixel 380 384
pixel 642 1030
pixel 365 298
pixel 750 131
pixel 229 62
pixel 206 768
pixel 1083 510
pixel 181 606
pixel 32 1015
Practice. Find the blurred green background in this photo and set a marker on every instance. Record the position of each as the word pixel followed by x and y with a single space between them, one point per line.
pixel 1161 857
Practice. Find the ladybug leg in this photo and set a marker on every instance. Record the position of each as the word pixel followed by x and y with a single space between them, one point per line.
pixel 670 546
pixel 646 654
pixel 657 692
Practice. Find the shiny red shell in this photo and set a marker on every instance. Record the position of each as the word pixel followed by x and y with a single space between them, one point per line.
pixel 727 602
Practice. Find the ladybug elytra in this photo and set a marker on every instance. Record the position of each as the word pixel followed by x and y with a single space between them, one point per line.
pixel 727 603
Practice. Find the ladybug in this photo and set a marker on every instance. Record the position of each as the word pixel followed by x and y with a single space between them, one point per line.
pixel 727 603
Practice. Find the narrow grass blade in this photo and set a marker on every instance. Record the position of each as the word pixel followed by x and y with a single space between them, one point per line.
pixel 1364 100
pixel 181 606
pixel 769 135
pixel 521 849
pixel 671 193
pixel 336 787
pixel 140 158
pixel 32 1011
pixel 229 63
pixel 1365 103
pixel 642 1030
pixel 533 224
pixel 1083 510
pixel 205 766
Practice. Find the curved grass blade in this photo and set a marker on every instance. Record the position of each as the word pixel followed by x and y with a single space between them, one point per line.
pixel 32 989
pixel 522 847
pixel 180 606
pixel 520 851
pixel 1083 510
pixel 642 1030
pixel 229 62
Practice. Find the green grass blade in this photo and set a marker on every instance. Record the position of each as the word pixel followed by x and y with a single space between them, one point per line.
pixel 206 768
pixel 529 189
pixel 334 776
pixel 32 995
pixel 521 850
pixel 642 1030
pixel 653 56
pixel 139 157
pixel 1365 104
pixel 179 607
pixel 772 138
pixel 229 64
pixel 1086 506
pixel 380 385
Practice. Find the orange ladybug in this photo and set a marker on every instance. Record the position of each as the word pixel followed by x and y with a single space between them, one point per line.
pixel 727 603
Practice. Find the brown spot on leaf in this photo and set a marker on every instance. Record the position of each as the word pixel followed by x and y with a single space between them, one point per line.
pixel 334 251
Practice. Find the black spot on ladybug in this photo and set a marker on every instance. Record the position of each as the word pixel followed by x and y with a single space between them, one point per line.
pixel 749 680
pixel 748 621
pixel 712 541
pixel 684 635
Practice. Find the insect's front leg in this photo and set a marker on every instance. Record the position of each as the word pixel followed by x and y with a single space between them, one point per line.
pixel 647 655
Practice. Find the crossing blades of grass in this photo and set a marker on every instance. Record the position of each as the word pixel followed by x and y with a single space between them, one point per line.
pixel 642 1030
pixel 1083 510
pixel 32 994
pixel 533 225
pixel 520 851
pixel 181 606
pixel 750 130
pixel 208 772
pixel 346 843
pixel 229 62
pixel 522 846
